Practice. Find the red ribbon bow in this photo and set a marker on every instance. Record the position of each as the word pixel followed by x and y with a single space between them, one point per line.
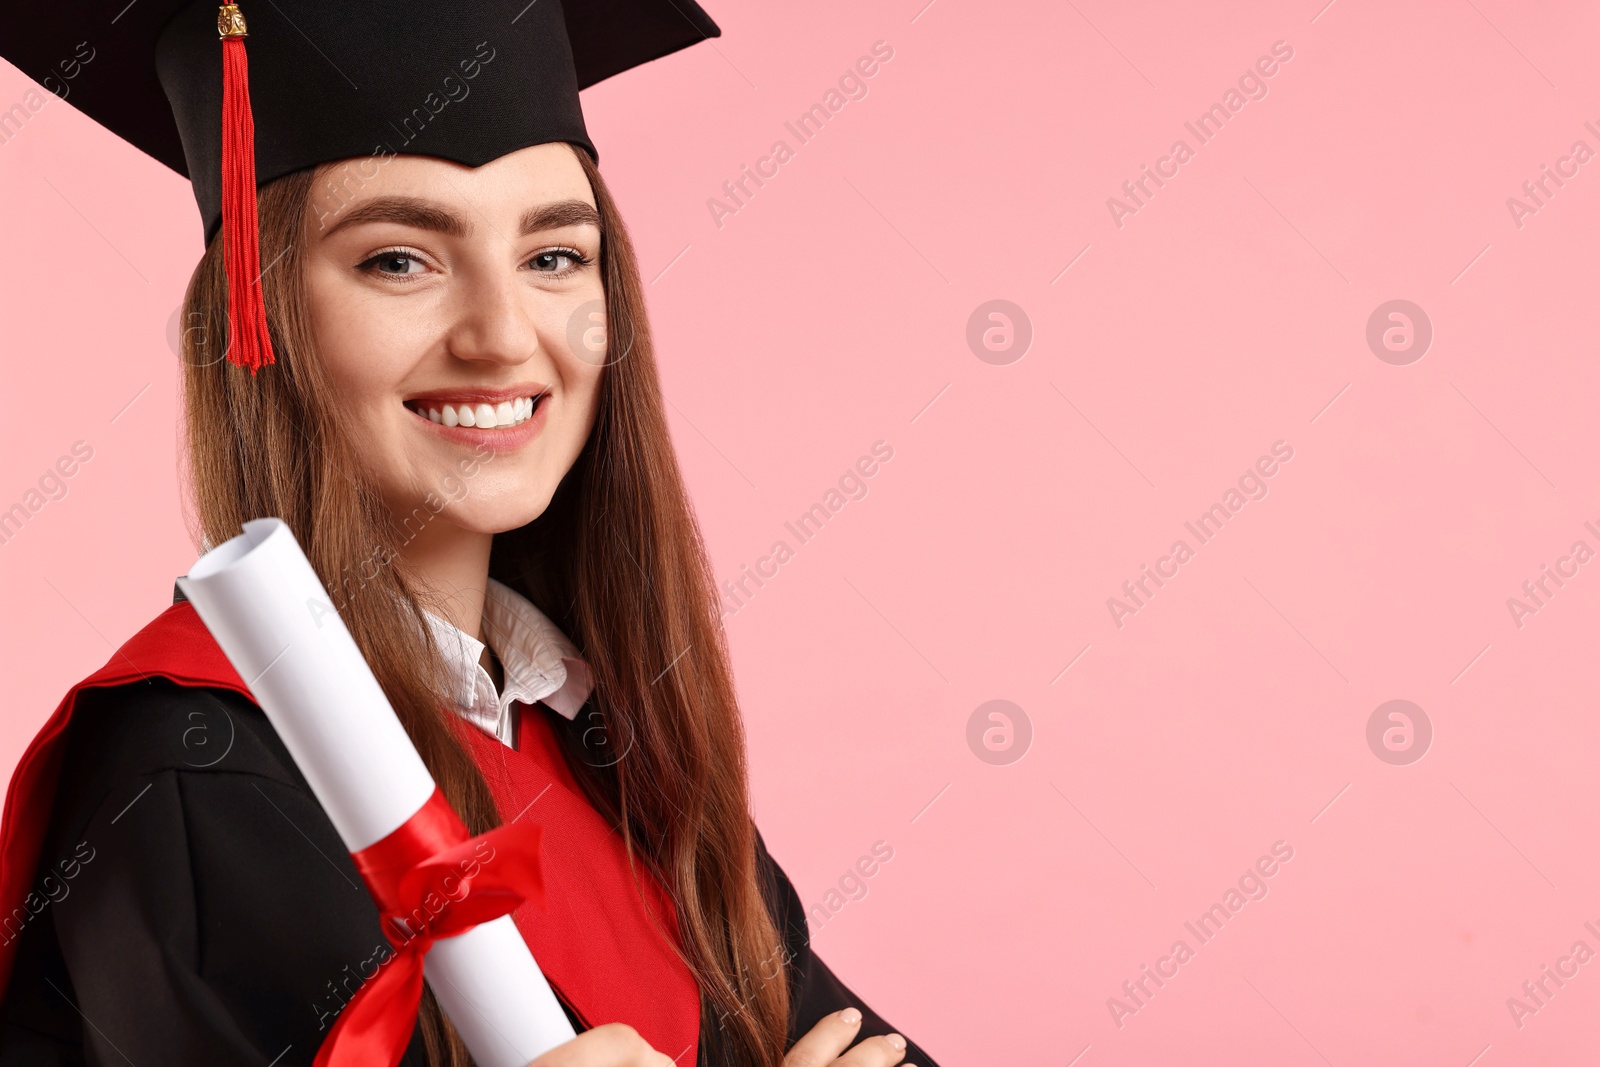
pixel 430 881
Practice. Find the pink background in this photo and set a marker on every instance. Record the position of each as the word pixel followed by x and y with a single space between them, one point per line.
pixel 1229 313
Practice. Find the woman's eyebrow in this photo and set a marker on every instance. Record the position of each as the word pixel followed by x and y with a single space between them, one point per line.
pixel 557 214
pixel 404 210
pixel 425 215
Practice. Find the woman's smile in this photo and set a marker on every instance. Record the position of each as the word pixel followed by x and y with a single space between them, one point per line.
pixel 501 419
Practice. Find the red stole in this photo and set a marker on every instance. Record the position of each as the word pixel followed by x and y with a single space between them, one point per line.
pixel 607 949
pixel 607 943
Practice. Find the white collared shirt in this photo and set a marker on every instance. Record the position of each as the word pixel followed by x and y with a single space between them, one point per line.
pixel 539 661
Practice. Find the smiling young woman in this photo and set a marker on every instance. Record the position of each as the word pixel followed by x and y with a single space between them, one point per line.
pixel 461 420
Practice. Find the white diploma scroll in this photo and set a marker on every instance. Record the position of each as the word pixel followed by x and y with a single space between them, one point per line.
pixel 261 600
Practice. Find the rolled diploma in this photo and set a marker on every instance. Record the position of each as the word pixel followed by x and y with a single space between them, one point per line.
pixel 261 600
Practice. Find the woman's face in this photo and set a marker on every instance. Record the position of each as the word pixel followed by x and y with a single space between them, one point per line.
pixel 459 313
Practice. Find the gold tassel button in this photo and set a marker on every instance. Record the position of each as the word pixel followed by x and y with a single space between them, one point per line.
pixel 230 21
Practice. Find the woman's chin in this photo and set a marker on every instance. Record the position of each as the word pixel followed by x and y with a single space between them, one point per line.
pixel 495 516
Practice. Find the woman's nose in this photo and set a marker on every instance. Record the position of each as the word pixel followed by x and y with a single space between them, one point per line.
pixel 494 320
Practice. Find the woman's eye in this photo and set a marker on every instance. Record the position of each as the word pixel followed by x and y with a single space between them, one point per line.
pixel 396 263
pixel 400 264
pixel 557 261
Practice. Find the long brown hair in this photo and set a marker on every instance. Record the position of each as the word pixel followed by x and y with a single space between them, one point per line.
pixel 616 560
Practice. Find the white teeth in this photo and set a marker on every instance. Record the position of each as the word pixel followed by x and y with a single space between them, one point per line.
pixel 505 414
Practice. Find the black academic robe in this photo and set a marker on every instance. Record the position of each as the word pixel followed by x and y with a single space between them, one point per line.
pixel 203 910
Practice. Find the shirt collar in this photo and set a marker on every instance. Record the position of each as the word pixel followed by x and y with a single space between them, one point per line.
pixel 539 661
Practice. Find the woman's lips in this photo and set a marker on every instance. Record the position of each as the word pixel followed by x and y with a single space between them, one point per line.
pixel 503 425
pixel 477 413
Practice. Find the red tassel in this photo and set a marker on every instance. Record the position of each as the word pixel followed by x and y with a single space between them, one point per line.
pixel 249 343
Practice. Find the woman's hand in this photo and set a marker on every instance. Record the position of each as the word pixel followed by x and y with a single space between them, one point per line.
pixel 611 1045
pixel 619 1045
pixel 833 1034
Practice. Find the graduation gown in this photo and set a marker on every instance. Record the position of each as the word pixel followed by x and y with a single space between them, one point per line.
pixel 173 893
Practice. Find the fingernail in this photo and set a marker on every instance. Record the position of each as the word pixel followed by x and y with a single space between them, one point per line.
pixel 850 1016
pixel 897 1041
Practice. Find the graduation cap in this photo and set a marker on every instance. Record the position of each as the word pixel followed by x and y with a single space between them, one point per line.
pixel 467 80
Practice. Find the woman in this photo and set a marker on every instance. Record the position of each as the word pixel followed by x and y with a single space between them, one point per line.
pixel 461 420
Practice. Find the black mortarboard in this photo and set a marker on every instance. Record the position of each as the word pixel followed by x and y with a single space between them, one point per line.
pixel 468 80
